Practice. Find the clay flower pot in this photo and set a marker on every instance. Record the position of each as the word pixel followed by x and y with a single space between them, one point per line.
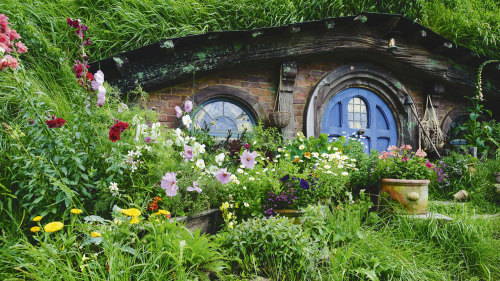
pixel 411 194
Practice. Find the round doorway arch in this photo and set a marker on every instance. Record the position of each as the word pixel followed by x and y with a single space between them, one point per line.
pixel 370 78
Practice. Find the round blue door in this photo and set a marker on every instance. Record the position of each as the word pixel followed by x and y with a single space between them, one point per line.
pixel 360 112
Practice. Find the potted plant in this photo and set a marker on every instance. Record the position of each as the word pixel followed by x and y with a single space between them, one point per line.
pixel 405 178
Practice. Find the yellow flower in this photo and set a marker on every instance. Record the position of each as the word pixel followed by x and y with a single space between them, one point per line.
pixel 76 211
pixel 132 212
pixel 307 154
pixel 35 229
pixel 163 212
pixel 53 226
pixel 95 234
pixel 236 205
pixel 134 220
pixel 37 218
pixel 229 215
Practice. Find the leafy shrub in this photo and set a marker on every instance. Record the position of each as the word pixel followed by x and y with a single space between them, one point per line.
pixel 275 247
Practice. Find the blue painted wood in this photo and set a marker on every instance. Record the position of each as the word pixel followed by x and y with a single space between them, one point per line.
pixel 381 130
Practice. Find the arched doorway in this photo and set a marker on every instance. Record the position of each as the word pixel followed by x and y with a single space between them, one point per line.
pixel 363 85
pixel 360 112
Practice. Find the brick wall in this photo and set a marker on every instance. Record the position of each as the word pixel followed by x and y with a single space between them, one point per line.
pixel 261 82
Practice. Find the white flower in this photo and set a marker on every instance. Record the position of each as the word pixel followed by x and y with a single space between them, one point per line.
pixel 244 188
pixel 200 163
pixel 237 181
pixel 220 158
pixel 169 143
pixel 233 177
pixel 301 147
pixel 329 148
pixel 2 50
pixel 315 154
pixel 327 167
pixel 246 204
pixel 186 120
pixel 341 166
pixel 251 178
pixel 353 160
pixel 113 188
pixel 345 173
pixel 240 171
pixel 335 148
pixel 280 149
pixel 213 169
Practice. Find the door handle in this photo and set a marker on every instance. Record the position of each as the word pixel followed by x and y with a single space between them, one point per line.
pixel 361 132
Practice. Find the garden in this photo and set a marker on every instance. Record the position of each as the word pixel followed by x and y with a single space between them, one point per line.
pixel 93 187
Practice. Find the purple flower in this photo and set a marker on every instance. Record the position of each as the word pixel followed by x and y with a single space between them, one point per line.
pixel 188 152
pixel 169 183
pixel 304 184
pixel 248 145
pixel 223 176
pixel 148 139
pixel 178 111
pixel 248 159
pixel 285 178
pixel 195 188
pixel 188 106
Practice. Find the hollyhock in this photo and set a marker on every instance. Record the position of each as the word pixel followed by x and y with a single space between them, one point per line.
pixel 248 159
pixel 4 21
pixel 178 112
pixel 195 188
pixel 10 61
pixel 98 80
pixel 78 69
pixel 101 96
pixel 55 122
pixel 116 129
pixel 223 176
pixel 188 106
pixel 169 183
pixel 188 152
pixel 21 48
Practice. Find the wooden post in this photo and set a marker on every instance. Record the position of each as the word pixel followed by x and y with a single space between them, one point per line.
pixel 287 84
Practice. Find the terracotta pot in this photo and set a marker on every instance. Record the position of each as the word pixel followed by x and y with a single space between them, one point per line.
pixel 497 177
pixel 471 168
pixel 462 195
pixel 291 214
pixel 411 194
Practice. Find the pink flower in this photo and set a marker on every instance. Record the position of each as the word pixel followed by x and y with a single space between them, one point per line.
pixel 195 188
pixel 420 153
pixel 223 176
pixel 404 159
pixel 188 106
pixel 169 183
pixel 10 61
pixel 98 80
pixel 178 111
pixel 392 147
pixel 248 159
pixel 4 21
pixel 429 165
pixel 101 96
pixel 13 34
pixel 188 152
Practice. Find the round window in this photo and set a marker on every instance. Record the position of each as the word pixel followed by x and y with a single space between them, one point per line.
pixel 222 117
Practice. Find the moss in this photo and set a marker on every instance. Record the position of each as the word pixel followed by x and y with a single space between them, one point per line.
pixel 201 55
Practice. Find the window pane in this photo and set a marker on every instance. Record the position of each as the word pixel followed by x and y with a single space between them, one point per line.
pixel 357 114
pixel 221 116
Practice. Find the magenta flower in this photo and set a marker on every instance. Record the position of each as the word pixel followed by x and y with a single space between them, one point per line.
pixel 178 111
pixel 248 159
pixel 195 188
pixel 188 152
pixel 169 183
pixel 188 106
pixel 223 176
pixel 429 165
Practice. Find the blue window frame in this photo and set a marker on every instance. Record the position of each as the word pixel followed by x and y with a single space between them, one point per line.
pixel 220 116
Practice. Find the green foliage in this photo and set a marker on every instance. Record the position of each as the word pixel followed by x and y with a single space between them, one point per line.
pixel 275 247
